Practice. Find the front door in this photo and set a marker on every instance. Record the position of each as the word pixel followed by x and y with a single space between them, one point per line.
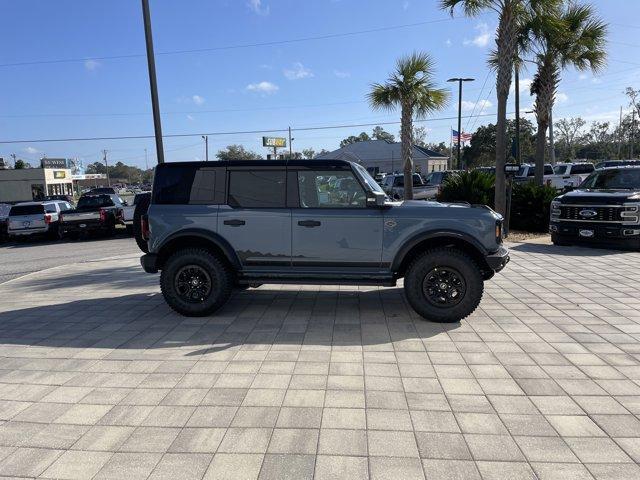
pixel 255 220
pixel 331 225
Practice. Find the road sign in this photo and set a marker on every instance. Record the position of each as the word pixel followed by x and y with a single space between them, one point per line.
pixel 276 142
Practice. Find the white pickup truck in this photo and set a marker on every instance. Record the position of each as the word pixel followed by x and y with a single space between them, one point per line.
pixel 128 211
pixel 559 176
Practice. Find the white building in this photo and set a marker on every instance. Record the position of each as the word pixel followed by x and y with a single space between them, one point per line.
pixel 30 184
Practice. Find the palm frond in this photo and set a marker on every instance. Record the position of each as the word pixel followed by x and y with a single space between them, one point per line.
pixel 471 8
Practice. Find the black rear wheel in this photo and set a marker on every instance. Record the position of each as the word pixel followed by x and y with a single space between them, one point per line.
pixel 195 283
pixel 444 285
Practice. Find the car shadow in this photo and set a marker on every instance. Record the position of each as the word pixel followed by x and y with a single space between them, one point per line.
pixel 255 317
pixel 44 241
pixel 571 250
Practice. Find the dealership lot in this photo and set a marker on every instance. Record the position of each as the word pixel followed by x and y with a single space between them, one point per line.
pixel 99 379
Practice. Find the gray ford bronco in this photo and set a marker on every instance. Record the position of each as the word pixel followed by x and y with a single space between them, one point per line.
pixel 215 226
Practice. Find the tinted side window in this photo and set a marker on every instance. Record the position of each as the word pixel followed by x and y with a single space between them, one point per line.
pixel 582 168
pixel 204 186
pixel 257 189
pixel 548 170
pixel 172 185
pixel 26 210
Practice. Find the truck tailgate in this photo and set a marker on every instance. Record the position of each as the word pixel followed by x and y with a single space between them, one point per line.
pixel 80 217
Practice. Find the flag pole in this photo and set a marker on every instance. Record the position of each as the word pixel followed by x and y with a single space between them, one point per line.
pixel 450 147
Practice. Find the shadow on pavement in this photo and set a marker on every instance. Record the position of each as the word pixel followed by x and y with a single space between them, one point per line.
pixel 573 250
pixel 130 277
pixel 253 317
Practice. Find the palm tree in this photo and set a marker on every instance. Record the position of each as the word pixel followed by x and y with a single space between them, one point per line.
pixel 412 88
pixel 504 55
pixel 571 35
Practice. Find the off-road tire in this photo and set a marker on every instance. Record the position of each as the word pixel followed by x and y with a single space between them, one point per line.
pixel 447 258
pixel 220 275
pixel 558 241
pixel 141 209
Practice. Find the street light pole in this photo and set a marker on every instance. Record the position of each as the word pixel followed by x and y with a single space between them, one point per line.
pixel 206 147
pixel 106 166
pixel 517 95
pixel 153 84
pixel 460 80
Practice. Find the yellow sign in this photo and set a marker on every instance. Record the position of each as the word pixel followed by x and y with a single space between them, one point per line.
pixel 274 142
pixel 59 174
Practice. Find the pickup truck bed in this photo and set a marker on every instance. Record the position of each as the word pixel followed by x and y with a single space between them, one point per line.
pixel 94 214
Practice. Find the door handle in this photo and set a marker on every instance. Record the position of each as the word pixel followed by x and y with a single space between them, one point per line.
pixel 309 223
pixel 234 223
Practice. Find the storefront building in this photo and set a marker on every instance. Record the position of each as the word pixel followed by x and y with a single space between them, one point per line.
pixel 29 184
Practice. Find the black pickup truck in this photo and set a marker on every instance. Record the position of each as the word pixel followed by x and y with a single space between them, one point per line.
pixel 603 211
pixel 93 214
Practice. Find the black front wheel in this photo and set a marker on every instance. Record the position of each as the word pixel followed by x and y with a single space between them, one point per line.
pixel 444 285
pixel 559 241
pixel 195 283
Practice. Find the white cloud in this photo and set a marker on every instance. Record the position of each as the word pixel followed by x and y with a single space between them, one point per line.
pixel 197 99
pixel 256 7
pixel 341 74
pixel 405 5
pixel 263 87
pixel 525 86
pixel 92 65
pixel 582 76
pixel 190 117
pixel 31 150
pixel 297 72
pixel 448 42
pixel 479 106
pixel 596 80
pixel 482 39
pixel 562 97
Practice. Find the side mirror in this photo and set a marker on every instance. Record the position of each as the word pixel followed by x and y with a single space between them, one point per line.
pixel 568 188
pixel 376 199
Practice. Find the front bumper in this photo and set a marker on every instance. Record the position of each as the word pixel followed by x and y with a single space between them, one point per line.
pixel 499 259
pixel 604 234
pixel 149 262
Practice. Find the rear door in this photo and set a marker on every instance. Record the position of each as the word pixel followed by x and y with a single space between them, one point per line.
pixel 255 220
pixel 331 224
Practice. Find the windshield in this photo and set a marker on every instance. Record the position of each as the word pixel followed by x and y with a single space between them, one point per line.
pixel 618 179
pixel 26 210
pixel 366 178
pixel 560 169
pixel 87 203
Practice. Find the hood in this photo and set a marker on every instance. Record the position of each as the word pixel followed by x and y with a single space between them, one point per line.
pixel 456 209
pixel 602 197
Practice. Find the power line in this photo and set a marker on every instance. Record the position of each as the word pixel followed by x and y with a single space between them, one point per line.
pixel 478 99
pixel 233 47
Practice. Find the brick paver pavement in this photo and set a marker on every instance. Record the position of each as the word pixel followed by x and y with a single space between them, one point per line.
pixel 99 379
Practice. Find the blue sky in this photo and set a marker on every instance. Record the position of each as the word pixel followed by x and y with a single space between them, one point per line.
pixel 305 83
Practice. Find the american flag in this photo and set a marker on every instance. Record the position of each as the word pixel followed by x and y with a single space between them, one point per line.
pixel 465 136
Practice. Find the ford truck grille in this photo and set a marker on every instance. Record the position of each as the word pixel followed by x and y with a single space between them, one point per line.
pixel 588 213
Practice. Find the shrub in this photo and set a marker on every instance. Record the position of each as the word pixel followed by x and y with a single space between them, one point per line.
pixel 473 187
pixel 530 207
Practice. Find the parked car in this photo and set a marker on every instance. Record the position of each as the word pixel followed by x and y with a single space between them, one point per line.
pixel 617 163
pixel 4 219
pixel 570 174
pixel 435 180
pixel 36 218
pixel 603 211
pixel 93 214
pixel 64 198
pixel 100 191
pixel 527 173
pixel 393 185
pixel 128 211
pixel 212 226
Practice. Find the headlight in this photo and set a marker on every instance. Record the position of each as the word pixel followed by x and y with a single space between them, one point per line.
pixel 555 209
pixel 631 213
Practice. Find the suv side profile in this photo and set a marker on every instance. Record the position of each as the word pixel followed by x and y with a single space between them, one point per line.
pixel 213 226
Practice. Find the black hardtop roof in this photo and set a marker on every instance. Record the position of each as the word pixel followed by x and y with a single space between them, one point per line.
pixel 259 163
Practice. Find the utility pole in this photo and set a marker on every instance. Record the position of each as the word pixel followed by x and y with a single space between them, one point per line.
pixel 552 146
pixel 290 146
pixel 517 98
pixel 153 84
pixel 633 133
pixel 146 162
pixel 620 135
pixel 460 80
pixel 13 156
pixel 206 147
pixel 106 165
